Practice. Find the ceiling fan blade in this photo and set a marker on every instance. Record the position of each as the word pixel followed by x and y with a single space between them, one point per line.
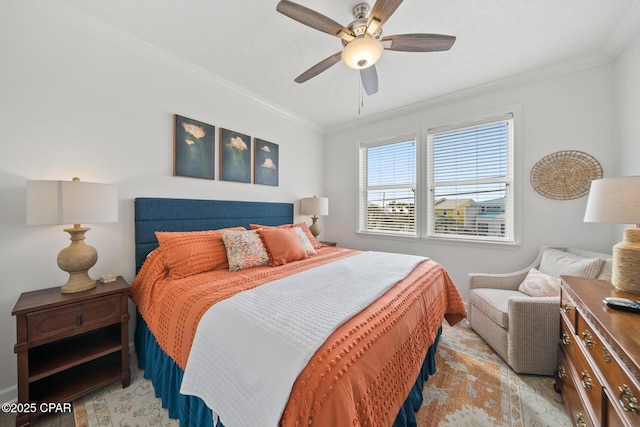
pixel 381 11
pixel 369 77
pixel 319 67
pixel 313 19
pixel 420 42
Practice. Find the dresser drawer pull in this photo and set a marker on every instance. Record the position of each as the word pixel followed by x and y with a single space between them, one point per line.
pixel 566 307
pixel 588 339
pixel 586 380
pixel 606 355
pixel 562 372
pixel 580 422
pixel 79 319
pixel 627 399
pixel 566 338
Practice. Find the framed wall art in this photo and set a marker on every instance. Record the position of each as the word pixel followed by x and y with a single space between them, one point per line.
pixel 193 152
pixel 266 162
pixel 235 156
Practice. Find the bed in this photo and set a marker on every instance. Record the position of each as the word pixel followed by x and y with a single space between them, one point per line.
pixel 365 363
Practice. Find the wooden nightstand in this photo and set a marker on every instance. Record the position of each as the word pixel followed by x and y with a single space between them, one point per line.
pixel 69 345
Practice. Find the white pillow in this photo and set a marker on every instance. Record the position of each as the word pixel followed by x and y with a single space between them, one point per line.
pixel 538 284
pixel 556 263
pixel 305 241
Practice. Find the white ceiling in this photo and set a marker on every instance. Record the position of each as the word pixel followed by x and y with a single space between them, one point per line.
pixel 249 45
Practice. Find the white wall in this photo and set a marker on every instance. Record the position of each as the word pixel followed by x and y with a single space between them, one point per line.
pixel 76 104
pixel 627 108
pixel 568 112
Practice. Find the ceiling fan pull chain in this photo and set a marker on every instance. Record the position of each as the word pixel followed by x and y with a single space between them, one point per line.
pixel 360 96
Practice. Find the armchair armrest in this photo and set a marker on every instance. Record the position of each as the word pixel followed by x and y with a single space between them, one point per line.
pixel 534 329
pixel 508 281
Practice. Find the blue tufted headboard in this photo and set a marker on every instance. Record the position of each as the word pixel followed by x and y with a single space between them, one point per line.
pixel 157 214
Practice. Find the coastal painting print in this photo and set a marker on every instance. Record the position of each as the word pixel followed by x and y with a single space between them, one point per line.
pixel 193 152
pixel 266 162
pixel 235 156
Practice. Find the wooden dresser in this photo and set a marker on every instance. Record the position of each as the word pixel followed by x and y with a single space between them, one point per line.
pixel 598 356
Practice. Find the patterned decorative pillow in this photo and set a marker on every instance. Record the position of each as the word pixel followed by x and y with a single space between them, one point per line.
pixel 283 245
pixel 244 250
pixel 302 225
pixel 306 244
pixel 538 284
pixel 193 252
pixel 556 263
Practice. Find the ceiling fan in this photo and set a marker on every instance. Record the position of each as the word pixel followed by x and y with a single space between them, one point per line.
pixel 362 39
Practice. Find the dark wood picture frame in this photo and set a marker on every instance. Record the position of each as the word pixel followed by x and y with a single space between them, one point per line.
pixel 235 156
pixel 193 148
pixel 266 162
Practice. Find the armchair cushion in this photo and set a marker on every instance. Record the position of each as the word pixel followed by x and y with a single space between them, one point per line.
pixel 555 263
pixel 494 303
pixel 538 284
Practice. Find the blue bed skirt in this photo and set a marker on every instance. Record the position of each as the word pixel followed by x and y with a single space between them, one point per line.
pixel 166 377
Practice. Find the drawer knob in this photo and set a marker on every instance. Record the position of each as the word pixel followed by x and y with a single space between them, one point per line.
pixel 566 338
pixel 566 307
pixel 588 339
pixel 606 355
pixel 79 319
pixel 562 372
pixel 627 399
pixel 580 421
pixel 586 380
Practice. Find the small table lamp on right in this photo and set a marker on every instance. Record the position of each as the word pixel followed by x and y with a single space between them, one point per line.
pixel 617 200
pixel 314 206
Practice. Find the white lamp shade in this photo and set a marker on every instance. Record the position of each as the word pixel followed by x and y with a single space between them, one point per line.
pixel 67 202
pixel 362 52
pixel 614 200
pixel 314 206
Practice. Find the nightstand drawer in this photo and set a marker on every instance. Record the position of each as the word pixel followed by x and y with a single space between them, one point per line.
pixel 56 322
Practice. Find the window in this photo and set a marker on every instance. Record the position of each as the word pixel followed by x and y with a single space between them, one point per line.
pixel 470 181
pixel 387 187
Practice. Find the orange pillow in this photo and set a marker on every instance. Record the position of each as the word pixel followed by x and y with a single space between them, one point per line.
pixel 192 252
pixel 283 245
pixel 302 225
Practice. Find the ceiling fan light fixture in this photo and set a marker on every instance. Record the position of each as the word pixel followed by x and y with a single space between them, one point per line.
pixel 362 52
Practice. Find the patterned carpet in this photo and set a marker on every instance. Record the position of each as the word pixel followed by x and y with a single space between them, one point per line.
pixel 473 387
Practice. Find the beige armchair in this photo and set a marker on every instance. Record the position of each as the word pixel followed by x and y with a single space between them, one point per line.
pixel 524 329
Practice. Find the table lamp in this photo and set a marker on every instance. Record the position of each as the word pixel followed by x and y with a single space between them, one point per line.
pixel 617 200
pixel 314 206
pixel 73 202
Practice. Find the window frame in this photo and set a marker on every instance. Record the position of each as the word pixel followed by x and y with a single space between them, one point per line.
pixel 479 119
pixel 407 135
pixel 422 188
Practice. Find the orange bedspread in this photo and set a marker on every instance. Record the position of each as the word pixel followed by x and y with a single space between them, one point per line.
pixel 364 371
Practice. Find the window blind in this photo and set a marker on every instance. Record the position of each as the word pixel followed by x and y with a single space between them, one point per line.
pixel 387 187
pixel 470 180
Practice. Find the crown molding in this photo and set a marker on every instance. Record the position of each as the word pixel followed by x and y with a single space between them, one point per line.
pixel 507 83
pixel 83 22
pixel 626 29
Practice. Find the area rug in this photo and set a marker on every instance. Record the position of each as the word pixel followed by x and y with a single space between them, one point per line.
pixel 472 387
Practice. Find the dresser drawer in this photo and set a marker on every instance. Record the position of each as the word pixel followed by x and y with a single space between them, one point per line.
pixel 624 394
pixel 586 380
pixel 56 322
pixel 565 377
pixel 614 417
pixel 592 343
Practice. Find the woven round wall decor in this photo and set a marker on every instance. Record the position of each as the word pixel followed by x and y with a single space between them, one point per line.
pixel 565 175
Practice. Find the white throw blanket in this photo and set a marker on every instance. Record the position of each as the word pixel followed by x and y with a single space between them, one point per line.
pixel 249 349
